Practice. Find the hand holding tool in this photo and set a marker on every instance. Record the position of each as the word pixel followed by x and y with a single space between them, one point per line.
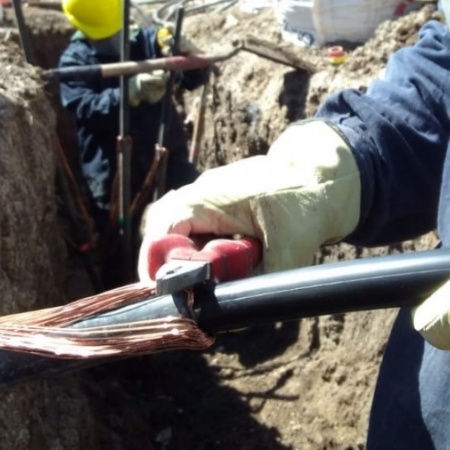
pixel 292 201
pixel 177 262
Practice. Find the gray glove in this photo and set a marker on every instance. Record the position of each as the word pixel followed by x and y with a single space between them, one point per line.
pixel 147 87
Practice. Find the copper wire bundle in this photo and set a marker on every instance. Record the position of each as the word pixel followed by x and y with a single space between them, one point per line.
pixel 47 332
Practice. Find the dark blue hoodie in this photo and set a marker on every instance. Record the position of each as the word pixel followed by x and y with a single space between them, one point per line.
pixel 399 132
pixel 95 105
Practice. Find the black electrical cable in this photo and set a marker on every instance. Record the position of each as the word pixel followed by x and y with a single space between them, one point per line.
pixel 393 281
pixel 365 284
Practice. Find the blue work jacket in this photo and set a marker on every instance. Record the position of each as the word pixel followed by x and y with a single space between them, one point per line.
pixel 399 133
pixel 95 105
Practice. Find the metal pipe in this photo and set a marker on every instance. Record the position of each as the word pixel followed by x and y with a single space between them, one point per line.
pixel 97 71
pixel 124 144
pixel 166 118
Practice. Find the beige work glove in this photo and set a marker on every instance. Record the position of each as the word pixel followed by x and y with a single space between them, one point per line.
pixel 147 87
pixel 304 193
pixel 432 318
pixel 165 40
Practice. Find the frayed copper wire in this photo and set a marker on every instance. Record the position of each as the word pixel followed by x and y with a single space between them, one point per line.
pixel 44 332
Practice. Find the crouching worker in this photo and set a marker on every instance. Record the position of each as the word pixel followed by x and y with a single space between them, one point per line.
pixel 370 169
pixel 95 106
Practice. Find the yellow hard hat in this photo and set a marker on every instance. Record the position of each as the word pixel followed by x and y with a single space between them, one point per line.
pixel 97 19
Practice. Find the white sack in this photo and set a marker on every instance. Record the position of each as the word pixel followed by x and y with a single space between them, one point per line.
pixel 317 22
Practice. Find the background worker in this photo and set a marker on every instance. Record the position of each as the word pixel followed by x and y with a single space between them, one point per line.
pixel 371 169
pixel 95 106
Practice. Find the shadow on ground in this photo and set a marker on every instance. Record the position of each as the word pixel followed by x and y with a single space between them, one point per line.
pixel 172 401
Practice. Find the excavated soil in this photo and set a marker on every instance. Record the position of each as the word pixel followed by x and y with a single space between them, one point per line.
pixel 301 385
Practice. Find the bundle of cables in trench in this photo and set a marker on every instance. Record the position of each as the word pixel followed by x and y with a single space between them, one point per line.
pixel 48 332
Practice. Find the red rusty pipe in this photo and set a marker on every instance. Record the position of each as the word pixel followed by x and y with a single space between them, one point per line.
pixel 96 71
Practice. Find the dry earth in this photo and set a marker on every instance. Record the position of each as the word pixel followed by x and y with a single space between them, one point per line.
pixel 301 385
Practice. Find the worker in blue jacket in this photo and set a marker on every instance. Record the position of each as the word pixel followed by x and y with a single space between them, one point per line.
pixel 370 169
pixel 95 104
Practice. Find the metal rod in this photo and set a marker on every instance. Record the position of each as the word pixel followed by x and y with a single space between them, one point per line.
pixel 24 33
pixel 124 153
pixel 199 125
pixel 160 181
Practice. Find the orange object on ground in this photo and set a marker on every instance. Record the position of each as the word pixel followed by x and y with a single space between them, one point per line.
pixel 336 55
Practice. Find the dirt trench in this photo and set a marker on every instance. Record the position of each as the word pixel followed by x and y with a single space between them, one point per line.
pixel 301 385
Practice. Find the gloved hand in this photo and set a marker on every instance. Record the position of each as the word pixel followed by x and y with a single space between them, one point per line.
pixel 432 318
pixel 147 87
pixel 304 193
pixel 165 40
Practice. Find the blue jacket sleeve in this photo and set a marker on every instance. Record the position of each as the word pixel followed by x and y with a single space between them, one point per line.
pixel 88 101
pixel 398 131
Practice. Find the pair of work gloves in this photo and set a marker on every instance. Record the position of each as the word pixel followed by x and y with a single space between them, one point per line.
pixel 293 200
pixel 151 87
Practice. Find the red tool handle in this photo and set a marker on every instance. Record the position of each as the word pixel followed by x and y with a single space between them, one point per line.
pixel 230 259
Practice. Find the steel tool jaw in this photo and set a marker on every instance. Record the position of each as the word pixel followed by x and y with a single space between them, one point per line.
pixel 176 275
